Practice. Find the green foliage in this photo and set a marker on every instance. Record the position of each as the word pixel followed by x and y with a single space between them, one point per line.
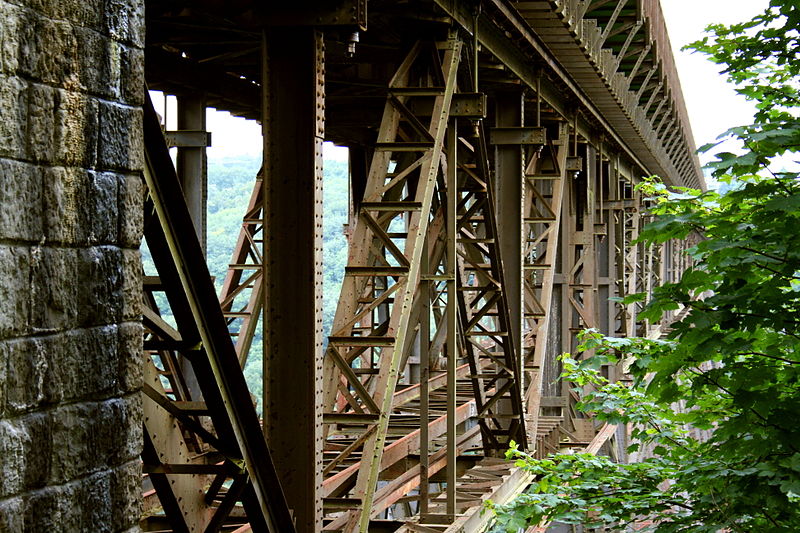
pixel 334 260
pixel 335 208
pixel 732 361
pixel 760 57
pixel 230 184
pixel 593 490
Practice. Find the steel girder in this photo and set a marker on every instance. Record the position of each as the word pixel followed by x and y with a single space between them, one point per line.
pixel 230 448
pixel 426 288
pixel 373 321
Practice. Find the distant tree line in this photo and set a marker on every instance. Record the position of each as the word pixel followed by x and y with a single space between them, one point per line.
pixel 230 184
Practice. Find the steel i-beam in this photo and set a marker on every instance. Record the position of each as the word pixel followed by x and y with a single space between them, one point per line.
pixel 293 126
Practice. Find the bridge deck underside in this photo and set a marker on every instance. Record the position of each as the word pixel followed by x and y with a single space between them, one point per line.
pixel 610 48
pixel 492 217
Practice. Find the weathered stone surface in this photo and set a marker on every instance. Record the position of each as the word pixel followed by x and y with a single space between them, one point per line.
pixel 62 54
pixel 41 117
pixel 97 349
pixel 86 424
pixel 13 117
pixel 94 504
pixel 76 130
pixel 120 150
pixel 77 423
pixel 104 211
pixel 131 285
pixel 120 429
pixel 54 509
pixel 25 443
pixel 32 380
pixel 126 487
pixel 71 88
pixel 11 17
pixel 11 515
pixel 23 360
pixel 79 12
pixel 99 285
pixel 131 211
pixel 84 505
pixel 95 352
pixel 20 185
pixel 38 442
pixel 81 207
pixel 14 295
pixel 65 206
pixel 54 293
pixel 125 21
pixel 27 22
pixel 98 65
pixel 132 70
pixel 3 384
pixel 131 364
pixel 54 53
pixel 12 458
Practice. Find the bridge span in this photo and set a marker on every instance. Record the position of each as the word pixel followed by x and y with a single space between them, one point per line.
pixel 494 149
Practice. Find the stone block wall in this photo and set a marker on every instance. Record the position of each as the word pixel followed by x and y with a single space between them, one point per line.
pixel 71 91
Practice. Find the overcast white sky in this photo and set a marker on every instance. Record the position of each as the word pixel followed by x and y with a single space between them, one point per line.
pixel 713 105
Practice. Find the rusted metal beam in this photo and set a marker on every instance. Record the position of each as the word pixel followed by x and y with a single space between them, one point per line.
pixel 191 167
pixel 318 13
pixel 399 449
pixel 180 259
pixel 293 126
pixel 509 197
pixel 547 173
pixel 492 39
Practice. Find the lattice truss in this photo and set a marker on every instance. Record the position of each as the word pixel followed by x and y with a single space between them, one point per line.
pixel 421 360
pixel 424 241
pixel 204 453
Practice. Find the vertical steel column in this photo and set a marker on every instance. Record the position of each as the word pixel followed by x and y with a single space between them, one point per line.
pixel 483 309
pixel 580 263
pixel 452 313
pixel 192 162
pixel 566 259
pixel 543 230
pixel 191 169
pixel 509 200
pixel 604 248
pixel 424 376
pixel 293 125
pixel 590 317
pixel 509 170
pixel 632 261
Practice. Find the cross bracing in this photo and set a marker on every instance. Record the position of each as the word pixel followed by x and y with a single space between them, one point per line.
pixel 494 148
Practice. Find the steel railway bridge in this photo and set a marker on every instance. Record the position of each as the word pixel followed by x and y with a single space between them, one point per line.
pixel 494 149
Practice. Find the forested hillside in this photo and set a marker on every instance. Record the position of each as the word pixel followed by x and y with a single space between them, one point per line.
pixel 230 184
